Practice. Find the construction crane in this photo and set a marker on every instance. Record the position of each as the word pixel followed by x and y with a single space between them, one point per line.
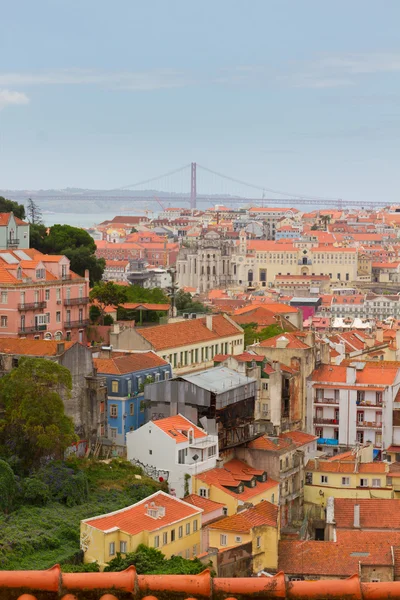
pixel 159 202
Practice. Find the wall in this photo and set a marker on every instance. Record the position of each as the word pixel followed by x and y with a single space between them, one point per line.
pixel 265 557
pixel 235 562
pixel 233 501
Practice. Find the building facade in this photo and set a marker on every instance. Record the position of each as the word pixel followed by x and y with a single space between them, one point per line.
pixel 125 376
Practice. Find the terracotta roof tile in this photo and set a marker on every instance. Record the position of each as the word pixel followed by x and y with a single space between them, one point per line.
pixel 263 513
pixel 294 341
pixel 134 519
pixel 177 427
pixel 30 347
pixel 128 363
pixel 206 504
pixel 188 332
pixel 300 438
pixel 374 513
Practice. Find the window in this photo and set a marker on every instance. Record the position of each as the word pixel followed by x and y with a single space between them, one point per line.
pixel 238 539
pixel 114 386
pixel 265 386
pixel 58 294
pixel 131 409
pixel 165 538
pixel 223 539
pixel 180 531
pixel 363 482
pixel 156 541
pixel 203 492
pixel 40 273
pixel 194 550
pixel 123 547
pixel 225 511
pixel 187 528
pixel 4 297
pixel 47 295
pixel 272 498
pixel 360 416
pixel 258 541
pixel 4 321
pixel 360 437
pixel 345 480
pixel 187 553
pixel 112 549
pixel 212 451
pixel 324 478
pixel 172 535
pixel 113 410
pixel 113 432
pixel 376 483
pixel 195 525
pixel 58 317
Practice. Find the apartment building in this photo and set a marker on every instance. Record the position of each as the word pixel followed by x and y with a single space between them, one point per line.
pixel 188 345
pixel 116 270
pixel 236 483
pixel 355 403
pixel 14 233
pixel 41 298
pixel 259 526
pixel 174 448
pixel 159 521
pixel 126 375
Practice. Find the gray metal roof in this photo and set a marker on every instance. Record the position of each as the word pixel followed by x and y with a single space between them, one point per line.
pixel 218 379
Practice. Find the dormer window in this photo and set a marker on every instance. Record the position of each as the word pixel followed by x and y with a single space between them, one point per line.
pixel 253 483
pixel 191 436
pixel 40 274
pixel 240 488
pixel 19 273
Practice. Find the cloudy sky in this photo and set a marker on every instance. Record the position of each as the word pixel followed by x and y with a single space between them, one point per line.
pixel 300 95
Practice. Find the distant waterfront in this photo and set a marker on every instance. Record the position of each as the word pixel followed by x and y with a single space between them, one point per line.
pixel 77 219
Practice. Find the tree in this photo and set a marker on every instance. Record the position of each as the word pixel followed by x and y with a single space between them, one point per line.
pixel 75 243
pixel 251 334
pixel 34 213
pixel 152 561
pixel 108 294
pixel 34 425
pixel 326 220
pixel 8 487
pixel 11 206
pixel 184 303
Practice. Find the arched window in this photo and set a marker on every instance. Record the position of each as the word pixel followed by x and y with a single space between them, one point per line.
pixel 202 270
pixel 250 276
pixel 214 272
pixel 208 270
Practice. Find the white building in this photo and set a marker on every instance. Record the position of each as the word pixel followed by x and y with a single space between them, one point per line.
pixel 174 449
pixel 355 404
pixel 158 278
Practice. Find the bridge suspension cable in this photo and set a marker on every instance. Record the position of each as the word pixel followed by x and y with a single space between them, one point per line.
pixel 264 188
pixel 145 181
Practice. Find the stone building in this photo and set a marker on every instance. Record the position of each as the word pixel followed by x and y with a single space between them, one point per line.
pixel 206 265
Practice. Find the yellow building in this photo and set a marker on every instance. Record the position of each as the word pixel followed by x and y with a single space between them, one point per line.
pixel 159 521
pixel 345 477
pixel 258 525
pixel 236 484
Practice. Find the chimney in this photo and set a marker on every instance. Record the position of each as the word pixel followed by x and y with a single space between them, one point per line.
pixel 351 375
pixel 87 275
pixel 282 342
pixel 356 516
pixel 209 322
pixel 379 335
pixel 60 347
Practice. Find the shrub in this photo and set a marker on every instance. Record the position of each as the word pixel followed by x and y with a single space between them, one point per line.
pixel 88 568
pixel 65 484
pixel 35 492
pixel 8 487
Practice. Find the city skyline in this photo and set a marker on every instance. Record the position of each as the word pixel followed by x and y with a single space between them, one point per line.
pixel 300 98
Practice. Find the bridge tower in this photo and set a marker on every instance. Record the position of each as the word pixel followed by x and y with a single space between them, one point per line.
pixel 193 186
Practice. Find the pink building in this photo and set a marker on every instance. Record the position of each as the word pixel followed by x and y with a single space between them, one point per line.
pixel 41 298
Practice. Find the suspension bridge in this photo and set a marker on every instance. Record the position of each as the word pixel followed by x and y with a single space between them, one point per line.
pixel 194 184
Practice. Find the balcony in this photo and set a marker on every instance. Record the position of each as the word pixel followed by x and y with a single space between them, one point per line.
pixel 369 404
pixel 369 425
pixel 31 305
pixel 73 324
pixel 326 401
pixel 76 301
pixel 12 242
pixel 322 421
pixel 32 329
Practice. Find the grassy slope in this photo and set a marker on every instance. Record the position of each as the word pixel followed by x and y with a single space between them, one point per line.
pixel 39 537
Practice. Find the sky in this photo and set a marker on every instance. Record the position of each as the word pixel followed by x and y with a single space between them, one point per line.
pixel 300 96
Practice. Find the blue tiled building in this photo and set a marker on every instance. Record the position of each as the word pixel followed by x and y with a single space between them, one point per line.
pixel 126 374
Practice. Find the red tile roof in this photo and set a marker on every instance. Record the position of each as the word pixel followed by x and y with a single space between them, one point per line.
pixel 177 427
pixel 184 333
pixel 57 585
pixel 145 306
pixel 348 466
pixel 271 444
pixel 300 438
pixel 28 347
pixel 263 513
pixel 128 363
pixel 206 504
pixel 338 559
pixel 134 519
pixel 294 341
pixel 375 513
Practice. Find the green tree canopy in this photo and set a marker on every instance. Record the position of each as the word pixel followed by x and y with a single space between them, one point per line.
pixel 34 212
pixel 75 243
pixel 184 303
pixel 8 487
pixel 152 561
pixel 34 424
pixel 251 334
pixel 11 206
pixel 108 294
